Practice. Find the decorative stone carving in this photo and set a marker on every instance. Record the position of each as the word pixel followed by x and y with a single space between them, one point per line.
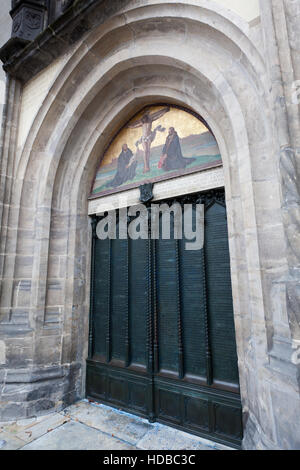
pixel 42 44
pixel 16 3
pixel 28 19
pixel 146 192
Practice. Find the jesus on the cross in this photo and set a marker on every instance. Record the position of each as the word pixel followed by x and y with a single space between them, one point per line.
pixel 148 134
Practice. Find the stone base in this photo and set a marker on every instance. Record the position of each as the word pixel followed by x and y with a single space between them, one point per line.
pixel 31 393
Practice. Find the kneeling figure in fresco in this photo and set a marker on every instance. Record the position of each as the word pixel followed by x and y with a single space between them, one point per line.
pixel 172 158
pixel 126 168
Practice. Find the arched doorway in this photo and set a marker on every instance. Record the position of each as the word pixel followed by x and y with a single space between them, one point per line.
pixel 162 338
pixel 92 95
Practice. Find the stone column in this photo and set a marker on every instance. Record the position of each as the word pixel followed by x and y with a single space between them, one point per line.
pixel 286 15
pixel 281 32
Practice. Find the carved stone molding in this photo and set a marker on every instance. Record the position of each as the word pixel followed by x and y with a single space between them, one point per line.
pixel 17 3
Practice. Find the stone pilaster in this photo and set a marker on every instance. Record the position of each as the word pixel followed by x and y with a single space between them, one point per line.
pixel 280 33
pixel 283 50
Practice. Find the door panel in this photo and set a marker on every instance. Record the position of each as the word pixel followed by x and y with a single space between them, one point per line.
pixel 219 297
pixel 138 301
pixel 166 291
pixel 192 311
pixel 100 299
pixel 119 299
pixel 162 340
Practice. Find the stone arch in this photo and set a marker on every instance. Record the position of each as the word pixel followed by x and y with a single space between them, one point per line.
pixel 76 122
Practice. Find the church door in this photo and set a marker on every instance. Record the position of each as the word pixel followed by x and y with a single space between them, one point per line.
pixel 162 338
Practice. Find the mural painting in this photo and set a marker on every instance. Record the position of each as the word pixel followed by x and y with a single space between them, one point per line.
pixel 160 142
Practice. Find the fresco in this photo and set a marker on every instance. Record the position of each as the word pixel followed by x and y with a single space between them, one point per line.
pixel 160 142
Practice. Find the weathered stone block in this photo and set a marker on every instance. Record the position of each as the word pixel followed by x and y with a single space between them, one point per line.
pixel 288 429
pixel 19 352
pixel 12 411
pixel 2 352
pixel 40 406
pixel 48 350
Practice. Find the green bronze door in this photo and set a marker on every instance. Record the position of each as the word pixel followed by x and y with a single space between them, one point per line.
pixel 162 339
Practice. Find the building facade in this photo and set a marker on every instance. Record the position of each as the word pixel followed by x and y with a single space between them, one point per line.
pixel 75 73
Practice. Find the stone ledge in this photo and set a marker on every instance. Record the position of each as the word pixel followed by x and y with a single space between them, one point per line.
pixel 24 376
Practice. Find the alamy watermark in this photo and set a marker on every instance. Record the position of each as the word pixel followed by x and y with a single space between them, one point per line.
pixel 159 221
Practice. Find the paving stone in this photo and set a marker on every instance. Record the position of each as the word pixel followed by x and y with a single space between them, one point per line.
pixel 122 425
pixel 92 426
pixel 165 438
pixel 40 427
pixel 28 421
pixel 9 442
pixel 20 424
pixel 77 436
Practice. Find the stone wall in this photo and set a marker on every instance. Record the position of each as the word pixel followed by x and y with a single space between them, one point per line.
pixel 239 77
pixel 249 11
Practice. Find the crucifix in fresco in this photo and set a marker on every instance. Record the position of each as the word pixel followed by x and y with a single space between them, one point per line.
pixel 160 142
pixel 149 135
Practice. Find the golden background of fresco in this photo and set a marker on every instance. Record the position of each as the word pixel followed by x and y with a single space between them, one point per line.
pixel 184 123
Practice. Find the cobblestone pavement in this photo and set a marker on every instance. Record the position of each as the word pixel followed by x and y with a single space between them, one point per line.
pixel 91 426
